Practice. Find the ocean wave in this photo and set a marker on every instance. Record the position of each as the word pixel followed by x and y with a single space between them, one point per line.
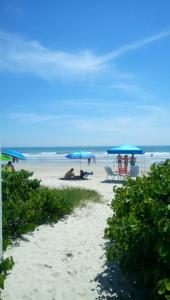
pixel 55 154
pixel 101 157
pixel 43 154
pixel 166 154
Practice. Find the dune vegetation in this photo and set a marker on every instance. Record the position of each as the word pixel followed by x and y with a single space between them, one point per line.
pixel 139 230
pixel 27 204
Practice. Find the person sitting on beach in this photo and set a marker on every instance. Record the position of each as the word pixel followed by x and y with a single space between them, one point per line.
pixel 132 160
pixel 70 174
pixel 84 174
pixel 9 167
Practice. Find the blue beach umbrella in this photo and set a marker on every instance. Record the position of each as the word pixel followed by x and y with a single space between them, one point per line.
pixel 126 149
pixel 80 156
pixel 14 154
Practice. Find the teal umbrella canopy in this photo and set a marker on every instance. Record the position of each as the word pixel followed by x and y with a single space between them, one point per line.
pixel 80 155
pixel 125 149
pixel 14 154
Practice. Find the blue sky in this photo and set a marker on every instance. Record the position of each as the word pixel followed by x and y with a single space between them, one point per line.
pixel 84 72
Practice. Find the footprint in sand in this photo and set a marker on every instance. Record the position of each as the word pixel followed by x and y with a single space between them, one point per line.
pixel 56 274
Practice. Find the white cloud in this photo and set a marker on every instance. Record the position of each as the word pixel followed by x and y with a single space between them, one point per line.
pixel 154 109
pixel 32 118
pixel 108 106
pixel 74 121
pixel 129 88
pixel 120 116
pixel 136 45
pixel 102 115
pixel 143 124
pixel 134 89
pixel 21 55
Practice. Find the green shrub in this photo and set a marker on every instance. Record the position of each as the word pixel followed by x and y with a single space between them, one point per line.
pixel 5 265
pixel 18 191
pixel 139 229
pixel 26 205
pixel 55 203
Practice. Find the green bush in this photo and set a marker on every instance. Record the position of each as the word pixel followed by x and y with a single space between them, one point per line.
pixel 139 229
pixel 55 203
pixel 5 265
pixel 26 205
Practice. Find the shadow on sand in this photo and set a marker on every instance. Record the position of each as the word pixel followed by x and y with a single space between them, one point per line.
pixel 114 181
pixel 73 179
pixel 112 284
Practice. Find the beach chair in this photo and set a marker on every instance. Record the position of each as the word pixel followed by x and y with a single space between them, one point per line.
pixel 110 173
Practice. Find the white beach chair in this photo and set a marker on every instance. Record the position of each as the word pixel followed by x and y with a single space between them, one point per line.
pixel 110 173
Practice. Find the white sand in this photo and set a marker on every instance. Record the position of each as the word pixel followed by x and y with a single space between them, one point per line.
pixel 67 261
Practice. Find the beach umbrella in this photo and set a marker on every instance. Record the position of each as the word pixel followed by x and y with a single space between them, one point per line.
pixel 80 156
pixel 125 149
pixel 14 154
pixel 4 157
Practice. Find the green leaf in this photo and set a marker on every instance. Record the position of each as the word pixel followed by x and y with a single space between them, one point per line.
pixel 162 290
pixel 167 284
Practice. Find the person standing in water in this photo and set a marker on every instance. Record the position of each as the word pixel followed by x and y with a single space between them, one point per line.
pixel 89 161
pixel 94 160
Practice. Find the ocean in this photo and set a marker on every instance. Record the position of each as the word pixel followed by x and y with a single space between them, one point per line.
pixel 53 155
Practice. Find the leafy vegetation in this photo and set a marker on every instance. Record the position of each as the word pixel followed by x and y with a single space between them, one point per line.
pixel 139 229
pixel 27 204
pixel 5 265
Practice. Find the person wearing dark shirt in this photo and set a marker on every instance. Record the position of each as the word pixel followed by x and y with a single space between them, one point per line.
pixel 70 174
pixel 9 167
pixel 132 160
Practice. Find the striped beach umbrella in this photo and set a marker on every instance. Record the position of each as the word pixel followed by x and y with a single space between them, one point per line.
pixel 80 155
pixel 4 157
pixel 14 154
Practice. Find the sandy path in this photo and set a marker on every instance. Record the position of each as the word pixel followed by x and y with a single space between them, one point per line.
pixel 67 261
pixel 60 262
